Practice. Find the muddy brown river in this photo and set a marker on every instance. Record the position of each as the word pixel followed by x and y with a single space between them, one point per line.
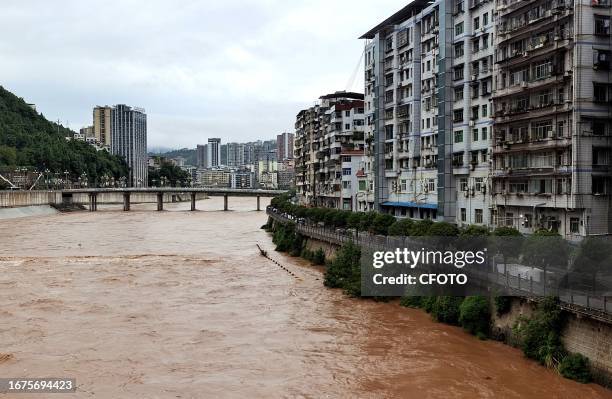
pixel 177 304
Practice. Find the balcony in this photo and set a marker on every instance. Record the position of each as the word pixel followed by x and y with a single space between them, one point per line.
pixel 504 147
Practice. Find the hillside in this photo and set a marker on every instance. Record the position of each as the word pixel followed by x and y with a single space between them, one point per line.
pixel 190 155
pixel 28 140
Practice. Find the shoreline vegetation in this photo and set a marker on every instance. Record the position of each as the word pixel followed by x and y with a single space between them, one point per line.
pixel 538 336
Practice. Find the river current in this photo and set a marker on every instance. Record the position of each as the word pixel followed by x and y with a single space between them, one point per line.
pixel 179 304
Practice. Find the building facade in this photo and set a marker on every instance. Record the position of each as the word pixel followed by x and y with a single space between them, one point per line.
pixel 129 140
pixel 284 146
pixel 213 153
pixel 492 112
pixel 323 132
pixel 102 124
pixel 202 155
pixel 553 108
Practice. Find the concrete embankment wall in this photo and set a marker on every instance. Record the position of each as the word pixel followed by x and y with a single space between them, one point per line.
pixel 29 198
pixel 589 337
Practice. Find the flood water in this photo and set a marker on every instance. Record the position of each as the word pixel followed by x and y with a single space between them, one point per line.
pixel 177 304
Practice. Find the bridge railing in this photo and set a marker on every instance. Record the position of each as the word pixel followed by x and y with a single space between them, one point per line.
pixel 598 307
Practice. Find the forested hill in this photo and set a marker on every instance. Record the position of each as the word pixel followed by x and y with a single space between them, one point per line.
pixel 190 155
pixel 28 140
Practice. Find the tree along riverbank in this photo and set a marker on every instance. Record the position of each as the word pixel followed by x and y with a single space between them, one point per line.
pixel 537 335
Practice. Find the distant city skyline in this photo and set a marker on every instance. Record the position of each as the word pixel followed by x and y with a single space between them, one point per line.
pixel 239 82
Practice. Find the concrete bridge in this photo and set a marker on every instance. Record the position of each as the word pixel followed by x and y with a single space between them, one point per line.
pixel 160 192
pixel 91 196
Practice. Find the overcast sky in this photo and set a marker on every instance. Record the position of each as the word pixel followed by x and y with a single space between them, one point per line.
pixel 235 69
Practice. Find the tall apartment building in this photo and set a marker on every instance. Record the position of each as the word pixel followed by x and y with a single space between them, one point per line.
pixel 235 155
pixel 284 146
pixel 129 140
pixel 493 112
pixel 323 132
pixel 102 120
pixel 553 109
pixel 428 109
pixel 202 155
pixel 213 153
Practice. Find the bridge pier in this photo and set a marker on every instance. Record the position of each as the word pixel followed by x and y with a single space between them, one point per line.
pixel 193 202
pixel 225 201
pixel 126 202
pixel 93 202
pixel 259 203
pixel 160 201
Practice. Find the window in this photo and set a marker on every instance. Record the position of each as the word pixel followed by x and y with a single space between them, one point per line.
pixel 479 184
pixel 542 130
pixel 347 126
pixel 346 171
pixel 459 6
pixel 476 23
pixel 483 133
pixel 388 132
pixel 459 136
pixel 458 159
pixel 346 184
pixel 478 216
pixel 459 29
pixel 543 71
pixel 484 111
pixel 602 25
pixel 574 225
pixel 475 135
pixel 458 115
pixel 601 92
pixel 463 215
pixel 431 185
pixel 485 19
pixel 389 44
pixel 458 72
pixel 599 128
pixel 403 185
pixel 463 184
pixel 362 185
pixel 601 59
pixel 458 93
pixel 459 50
pixel 600 185
pixel 389 96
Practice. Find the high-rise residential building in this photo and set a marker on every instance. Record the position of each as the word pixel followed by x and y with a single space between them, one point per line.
pixel 323 132
pixel 494 113
pixel 129 140
pixel 202 155
pixel 102 124
pixel 235 155
pixel 553 107
pixel 224 154
pixel 213 153
pixel 428 91
pixel 284 146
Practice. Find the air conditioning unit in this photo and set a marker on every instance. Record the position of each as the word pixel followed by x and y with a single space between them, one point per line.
pixel 474 77
pixel 524 85
pixel 471 123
